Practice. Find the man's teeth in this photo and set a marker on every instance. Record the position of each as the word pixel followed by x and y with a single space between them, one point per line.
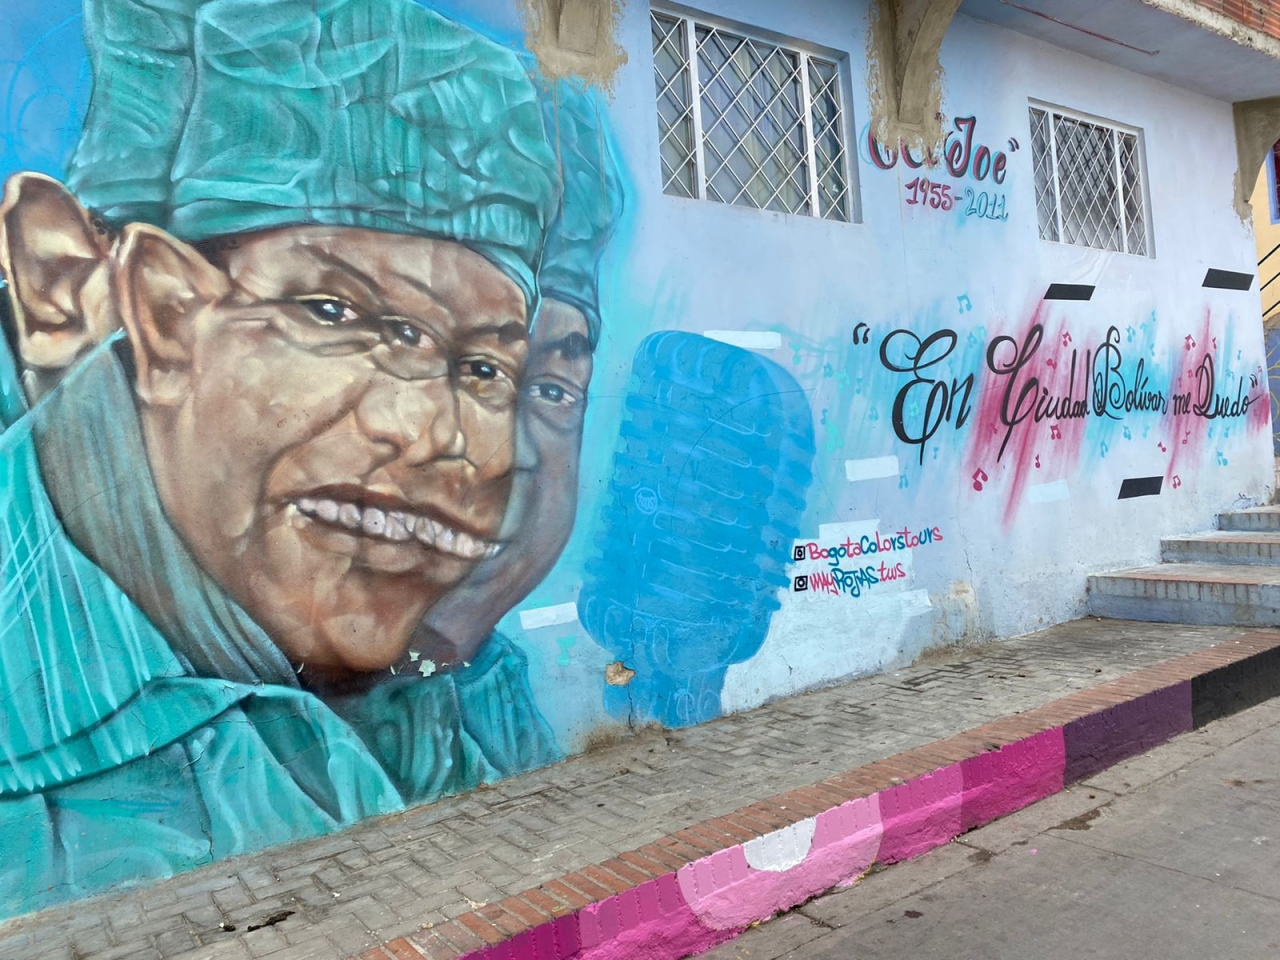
pixel 399 527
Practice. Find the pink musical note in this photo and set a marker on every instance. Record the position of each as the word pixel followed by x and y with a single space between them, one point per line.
pixel 979 478
pixel 1055 432
pixel 1163 448
pixel 1184 439
pixel 1037 461
pixel 1190 341
pixel 1051 363
pixel 1066 338
pixel 1215 342
pixel 1177 481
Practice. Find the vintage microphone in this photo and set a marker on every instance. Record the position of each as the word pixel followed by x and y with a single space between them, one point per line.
pixel 709 482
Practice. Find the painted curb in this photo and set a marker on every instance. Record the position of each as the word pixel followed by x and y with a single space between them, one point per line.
pixel 705 884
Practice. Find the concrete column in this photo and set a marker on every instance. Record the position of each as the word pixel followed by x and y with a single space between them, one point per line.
pixel 1257 129
pixel 907 90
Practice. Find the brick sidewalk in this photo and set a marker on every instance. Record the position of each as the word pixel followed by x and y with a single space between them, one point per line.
pixel 385 879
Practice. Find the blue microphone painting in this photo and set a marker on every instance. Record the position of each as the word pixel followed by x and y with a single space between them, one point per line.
pixel 714 461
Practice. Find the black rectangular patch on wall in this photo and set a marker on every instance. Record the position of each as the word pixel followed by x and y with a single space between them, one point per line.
pixel 1228 279
pixel 1069 291
pixel 1141 487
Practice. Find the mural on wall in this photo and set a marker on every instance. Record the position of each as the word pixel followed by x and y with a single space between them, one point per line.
pixel 1025 409
pixel 962 174
pixel 303 304
pixel 299 333
pixel 292 399
pixel 710 480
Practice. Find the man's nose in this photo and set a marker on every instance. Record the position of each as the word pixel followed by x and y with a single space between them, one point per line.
pixel 527 453
pixel 418 418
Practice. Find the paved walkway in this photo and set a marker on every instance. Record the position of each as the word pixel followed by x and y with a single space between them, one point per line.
pixel 1168 856
pixel 341 895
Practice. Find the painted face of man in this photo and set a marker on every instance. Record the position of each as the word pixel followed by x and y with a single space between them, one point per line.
pixel 329 415
pixel 545 495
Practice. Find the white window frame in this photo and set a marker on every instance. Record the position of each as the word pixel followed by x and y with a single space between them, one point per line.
pixel 846 209
pixel 1144 181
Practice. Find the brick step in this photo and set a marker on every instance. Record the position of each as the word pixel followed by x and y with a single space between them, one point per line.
pixel 1199 593
pixel 1247 547
pixel 1256 518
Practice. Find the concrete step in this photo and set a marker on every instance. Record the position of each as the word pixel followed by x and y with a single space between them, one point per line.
pixel 1199 593
pixel 1256 518
pixel 1252 548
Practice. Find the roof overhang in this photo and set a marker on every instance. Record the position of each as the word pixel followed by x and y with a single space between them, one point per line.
pixel 1177 41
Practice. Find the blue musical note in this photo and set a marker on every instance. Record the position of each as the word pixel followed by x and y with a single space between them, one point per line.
pixel 874 415
pixel 1104 449
pixel 902 482
pixel 1128 434
pixel 965 303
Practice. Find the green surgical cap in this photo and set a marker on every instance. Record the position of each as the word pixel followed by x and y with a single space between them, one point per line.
pixel 213 117
pixel 592 201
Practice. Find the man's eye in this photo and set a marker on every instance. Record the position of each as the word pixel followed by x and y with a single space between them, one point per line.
pixel 481 370
pixel 552 393
pixel 330 310
pixel 406 333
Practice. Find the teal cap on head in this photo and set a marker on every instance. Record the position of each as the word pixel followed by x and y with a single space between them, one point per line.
pixel 592 201
pixel 214 117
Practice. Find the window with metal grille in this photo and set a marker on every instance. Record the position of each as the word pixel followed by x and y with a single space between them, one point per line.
pixel 746 121
pixel 1089 182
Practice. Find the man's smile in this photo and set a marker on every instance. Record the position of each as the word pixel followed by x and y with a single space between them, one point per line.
pixel 363 513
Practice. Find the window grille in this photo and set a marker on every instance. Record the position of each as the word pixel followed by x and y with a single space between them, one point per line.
pixel 1089 182
pixel 748 122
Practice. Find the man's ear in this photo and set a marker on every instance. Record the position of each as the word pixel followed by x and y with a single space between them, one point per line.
pixel 160 285
pixel 53 253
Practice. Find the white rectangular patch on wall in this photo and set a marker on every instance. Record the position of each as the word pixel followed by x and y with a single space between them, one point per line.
pixel 1048 492
pixel 549 616
pixel 915 602
pixel 747 339
pixel 873 468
